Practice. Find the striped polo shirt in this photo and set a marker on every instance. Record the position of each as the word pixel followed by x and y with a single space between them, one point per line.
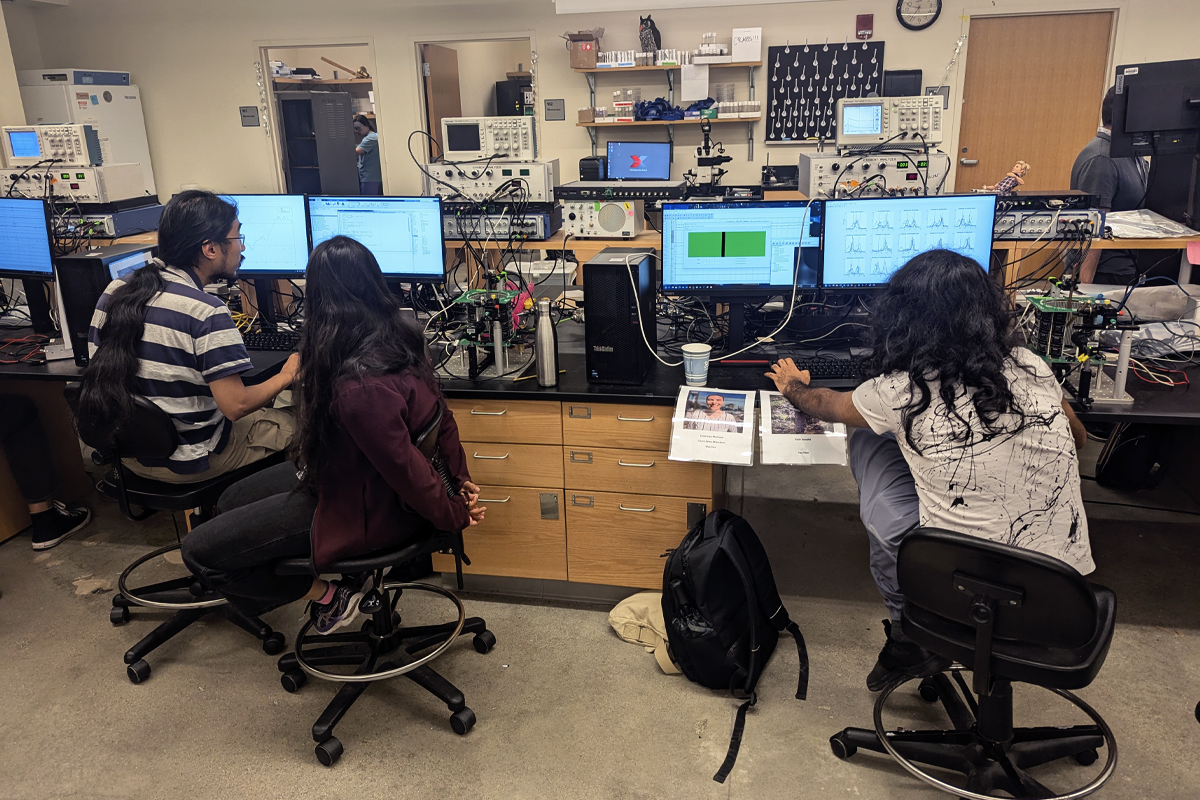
pixel 189 341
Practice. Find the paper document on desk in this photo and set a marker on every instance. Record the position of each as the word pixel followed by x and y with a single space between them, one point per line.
pixel 789 436
pixel 715 426
pixel 1143 224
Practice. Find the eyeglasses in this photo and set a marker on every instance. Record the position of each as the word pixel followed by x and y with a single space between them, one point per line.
pixel 240 238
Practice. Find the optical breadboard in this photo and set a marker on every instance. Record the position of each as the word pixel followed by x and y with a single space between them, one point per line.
pixel 68 145
pixel 899 121
pixel 466 221
pixel 866 241
pixel 1028 224
pixel 612 190
pixel 106 184
pixel 614 219
pixel 488 138
pixel 531 181
pixel 829 175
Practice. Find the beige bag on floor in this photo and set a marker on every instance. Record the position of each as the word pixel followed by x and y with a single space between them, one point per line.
pixel 639 620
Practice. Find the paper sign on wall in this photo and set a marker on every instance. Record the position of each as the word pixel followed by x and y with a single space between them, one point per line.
pixel 713 425
pixel 747 45
pixel 789 436
pixel 694 83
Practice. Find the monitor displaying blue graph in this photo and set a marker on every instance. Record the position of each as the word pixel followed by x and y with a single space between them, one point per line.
pixel 276 232
pixel 727 249
pixel 868 240
pixel 403 233
pixel 25 233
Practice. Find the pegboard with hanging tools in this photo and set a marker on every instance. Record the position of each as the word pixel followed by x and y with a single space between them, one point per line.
pixel 806 81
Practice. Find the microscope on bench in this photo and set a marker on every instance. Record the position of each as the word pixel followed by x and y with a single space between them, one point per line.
pixel 705 179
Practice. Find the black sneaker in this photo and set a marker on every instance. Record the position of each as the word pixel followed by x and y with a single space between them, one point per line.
pixel 342 610
pixel 907 659
pixel 53 526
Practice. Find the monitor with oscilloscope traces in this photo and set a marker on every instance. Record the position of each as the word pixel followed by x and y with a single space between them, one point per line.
pixel 276 231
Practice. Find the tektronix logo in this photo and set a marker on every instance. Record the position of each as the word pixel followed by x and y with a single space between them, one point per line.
pixel 599 348
pixel 637 162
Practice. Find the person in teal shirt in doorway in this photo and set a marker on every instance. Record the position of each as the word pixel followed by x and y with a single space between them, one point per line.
pixel 370 173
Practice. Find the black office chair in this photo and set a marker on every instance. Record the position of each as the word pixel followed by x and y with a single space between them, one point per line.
pixel 1009 614
pixel 151 434
pixel 383 648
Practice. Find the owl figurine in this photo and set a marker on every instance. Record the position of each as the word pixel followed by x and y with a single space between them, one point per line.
pixel 649 36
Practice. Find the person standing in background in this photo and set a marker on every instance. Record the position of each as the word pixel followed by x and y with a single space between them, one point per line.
pixel 370 173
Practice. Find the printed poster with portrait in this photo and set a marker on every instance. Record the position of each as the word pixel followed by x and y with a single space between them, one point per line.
pixel 713 425
pixel 789 436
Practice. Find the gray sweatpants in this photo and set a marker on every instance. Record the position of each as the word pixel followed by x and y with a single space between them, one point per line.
pixel 888 506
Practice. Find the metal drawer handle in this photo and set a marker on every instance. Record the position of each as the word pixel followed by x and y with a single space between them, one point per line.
pixel 475 413
pixel 505 500
pixel 489 458
pixel 639 510
pixel 623 464
pixel 634 419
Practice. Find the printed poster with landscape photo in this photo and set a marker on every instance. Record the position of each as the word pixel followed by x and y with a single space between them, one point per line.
pixel 713 425
pixel 789 436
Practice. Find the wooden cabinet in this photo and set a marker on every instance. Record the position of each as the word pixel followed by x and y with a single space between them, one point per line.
pixel 522 536
pixel 636 471
pixel 515 464
pixel 507 422
pixel 635 427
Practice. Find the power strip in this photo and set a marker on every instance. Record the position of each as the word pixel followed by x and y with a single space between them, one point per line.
pixel 1019 225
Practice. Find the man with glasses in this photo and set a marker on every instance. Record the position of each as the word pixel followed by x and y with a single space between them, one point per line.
pixel 159 331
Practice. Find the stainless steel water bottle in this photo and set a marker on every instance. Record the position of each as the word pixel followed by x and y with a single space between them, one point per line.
pixel 546 346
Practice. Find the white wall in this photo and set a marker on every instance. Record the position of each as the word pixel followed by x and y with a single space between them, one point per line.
pixel 480 65
pixel 194 63
pixel 11 112
pixel 23 36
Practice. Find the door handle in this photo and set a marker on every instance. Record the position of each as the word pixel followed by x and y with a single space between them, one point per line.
pixel 966 162
pixel 475 413
pixel 489 458
pixel 623 464
pixel 634 419
pixel 639 510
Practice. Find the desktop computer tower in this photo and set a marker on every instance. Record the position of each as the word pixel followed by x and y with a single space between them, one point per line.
pixel 613 326
pixel 82 279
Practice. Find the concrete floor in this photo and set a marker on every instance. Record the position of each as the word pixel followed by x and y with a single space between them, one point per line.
pixel 565 708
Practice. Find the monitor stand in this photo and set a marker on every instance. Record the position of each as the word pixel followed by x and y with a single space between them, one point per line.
pixel 737 326
pixel 265 287
pixel 39 306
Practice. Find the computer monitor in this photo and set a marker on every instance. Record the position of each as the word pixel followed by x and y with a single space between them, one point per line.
pixel 404 233
pixel 25 233
pixel 1156 110
pixel 639 161
pixel 729 250
pixel 276 231
pixel 868 240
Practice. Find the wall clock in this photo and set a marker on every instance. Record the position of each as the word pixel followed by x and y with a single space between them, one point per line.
pixel 917 15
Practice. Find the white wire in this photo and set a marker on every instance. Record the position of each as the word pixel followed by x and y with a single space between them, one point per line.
pixel 823 335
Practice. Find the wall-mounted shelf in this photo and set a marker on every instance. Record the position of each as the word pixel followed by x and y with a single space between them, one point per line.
pixel 669 71
pixel 320 81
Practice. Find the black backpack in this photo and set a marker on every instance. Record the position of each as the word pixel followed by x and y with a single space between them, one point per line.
pixel 724 615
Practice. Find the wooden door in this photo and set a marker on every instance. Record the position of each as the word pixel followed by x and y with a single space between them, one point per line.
pixel 440 65
pixel 1031 92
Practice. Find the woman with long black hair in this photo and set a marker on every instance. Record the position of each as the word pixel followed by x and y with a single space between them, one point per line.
pixel 358 483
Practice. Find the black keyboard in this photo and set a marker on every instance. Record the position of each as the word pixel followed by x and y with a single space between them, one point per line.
pixel 280 341
pixel 842 372
pixel 829 368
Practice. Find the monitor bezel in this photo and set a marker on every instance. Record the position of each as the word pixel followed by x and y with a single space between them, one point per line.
pixel 877 287
pixel 251 273
pixel 734 291
pixel 48 275
pixel 1122 143
pixel 608 162
pixel 395 277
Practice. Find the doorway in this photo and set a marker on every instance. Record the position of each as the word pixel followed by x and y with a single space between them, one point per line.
pixel 1055 69
pixel 319 92
pixel 479 78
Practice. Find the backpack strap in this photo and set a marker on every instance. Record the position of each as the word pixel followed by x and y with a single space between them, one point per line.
pixel 735 741
pixel 734 552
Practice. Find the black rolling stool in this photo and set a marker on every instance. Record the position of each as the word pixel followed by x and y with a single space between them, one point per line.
pixel 383 649
pixel 1011 615
pixel 151 434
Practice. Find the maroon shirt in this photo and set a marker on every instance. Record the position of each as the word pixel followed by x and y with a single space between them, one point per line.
pixel 373 466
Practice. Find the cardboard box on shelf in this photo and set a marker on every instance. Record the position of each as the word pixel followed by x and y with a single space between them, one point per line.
pixel 583 50
pixel 587 115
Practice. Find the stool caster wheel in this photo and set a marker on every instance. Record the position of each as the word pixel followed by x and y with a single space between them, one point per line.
pixel 138 671
pixel 840 747
pixel 462 721
pixel 484 642
pixel 1086 758
pixel 293 681
pixel 928 691
pixel 118 615
pixel 197 589
pixel 329 751
pixel 273 644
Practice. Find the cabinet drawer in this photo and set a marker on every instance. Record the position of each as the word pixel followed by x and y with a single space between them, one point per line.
pixel 619 539
pixel 634 471
pixel 516 422
pixel 633 427
pixel 514 540
pixel 514 464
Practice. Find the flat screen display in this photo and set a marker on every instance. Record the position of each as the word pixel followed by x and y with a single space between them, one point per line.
pixel 868 240
pixel 862 120
pixel 25 234
pixel 740 248
pixel 462 138
pixel 639 161
pixel 24 144
pixel 404 233
pixel 276 232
